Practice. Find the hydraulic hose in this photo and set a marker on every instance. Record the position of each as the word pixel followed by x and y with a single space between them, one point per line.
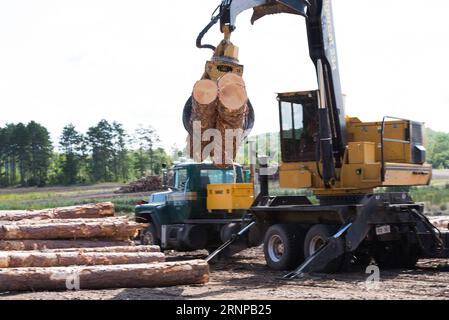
pixel 199 40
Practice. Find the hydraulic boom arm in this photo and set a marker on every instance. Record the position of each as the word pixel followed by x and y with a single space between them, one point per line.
pixel 323 52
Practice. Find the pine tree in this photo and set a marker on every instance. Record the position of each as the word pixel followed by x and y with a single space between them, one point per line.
pixel 40 151
pixel 20 149
pixel 145 139
pixel 121 160
pixel 71 146
pixel 100 143
pixel 3 158
pixel 9 155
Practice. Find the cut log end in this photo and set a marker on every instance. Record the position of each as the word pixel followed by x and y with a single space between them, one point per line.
pixel 230 78
pixel 205 92
pixel 233 97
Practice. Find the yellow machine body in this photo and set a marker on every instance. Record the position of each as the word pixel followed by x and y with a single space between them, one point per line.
pixel 230 197
pixel 224 60
pixel 364 168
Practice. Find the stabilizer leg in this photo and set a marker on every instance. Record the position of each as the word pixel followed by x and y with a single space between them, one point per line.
pixel 331 250
pixel 346 240
pixel 228 243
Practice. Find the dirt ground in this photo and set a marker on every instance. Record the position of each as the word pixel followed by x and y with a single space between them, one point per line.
pixel 245 277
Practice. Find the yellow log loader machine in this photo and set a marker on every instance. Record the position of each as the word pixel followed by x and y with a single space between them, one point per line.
pixel 342 159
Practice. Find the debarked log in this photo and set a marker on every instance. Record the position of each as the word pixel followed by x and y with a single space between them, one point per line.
pixel 100 210
pixel 12 259
pixel 25 245
pixel 105 277
pixel 111 249
pixel 116 229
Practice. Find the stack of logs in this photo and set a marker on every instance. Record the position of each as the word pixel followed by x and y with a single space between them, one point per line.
pixel 146 184
pixel 441 222
pixel 58 249
pixel 220 105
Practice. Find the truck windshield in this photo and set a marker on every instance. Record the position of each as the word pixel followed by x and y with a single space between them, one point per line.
pixel 180 179
pixel 158 198
pixel 217 177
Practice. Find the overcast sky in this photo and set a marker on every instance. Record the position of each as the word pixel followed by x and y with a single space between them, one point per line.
pixel 135 61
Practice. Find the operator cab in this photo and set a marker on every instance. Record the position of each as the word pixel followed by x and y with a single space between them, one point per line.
pixel 298 113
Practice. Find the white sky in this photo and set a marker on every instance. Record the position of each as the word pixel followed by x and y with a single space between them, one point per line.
pixel 135 61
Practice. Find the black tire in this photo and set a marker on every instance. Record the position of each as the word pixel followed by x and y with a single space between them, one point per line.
pixel 410 258
pixel 315 238
pixel 148 237
pixel 397 256
pixel 283 247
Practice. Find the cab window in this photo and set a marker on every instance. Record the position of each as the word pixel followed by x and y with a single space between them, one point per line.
pixel 216 177
pixel 299 131
pixel 180 180
pixel 158 198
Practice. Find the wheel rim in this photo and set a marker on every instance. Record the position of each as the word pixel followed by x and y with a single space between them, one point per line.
pixel 148 238
pixel 276 248
pixel 315 244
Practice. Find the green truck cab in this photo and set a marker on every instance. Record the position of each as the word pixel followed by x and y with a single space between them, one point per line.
pixel 179 219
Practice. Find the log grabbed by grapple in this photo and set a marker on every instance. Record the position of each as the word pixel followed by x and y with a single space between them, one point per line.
pixel 220 119
pixel 218 116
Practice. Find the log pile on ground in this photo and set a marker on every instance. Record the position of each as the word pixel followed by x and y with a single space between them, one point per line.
pixel 14 259
pixel 220 105
pixel 120 229
pixel 105 277
pixel 25 245
pixel 146 184
pixel 85 246
pixel 440 222
pixel 100 210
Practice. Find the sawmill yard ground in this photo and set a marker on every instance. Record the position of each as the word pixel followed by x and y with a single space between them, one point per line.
pixel 245 277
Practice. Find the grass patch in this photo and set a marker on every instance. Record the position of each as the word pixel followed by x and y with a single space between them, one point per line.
pixel 435 198
pixel 48 198
pixel 122 204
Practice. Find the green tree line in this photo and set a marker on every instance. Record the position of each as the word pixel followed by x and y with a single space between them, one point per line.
pixel 25 154
pixel 438 149
pixel 104 153
pixel 107 153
